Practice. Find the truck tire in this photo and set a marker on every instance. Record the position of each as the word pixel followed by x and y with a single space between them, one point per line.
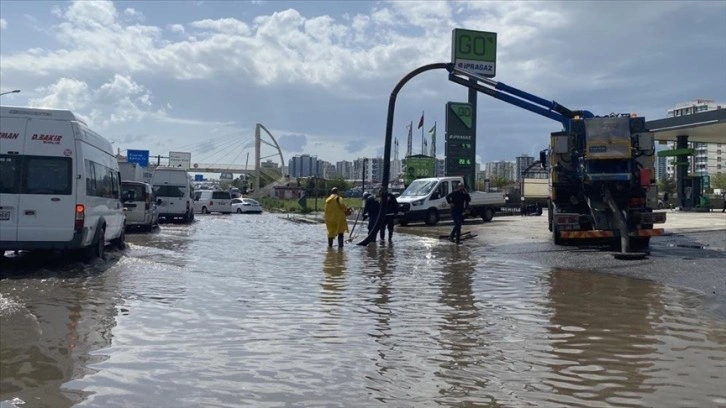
pixel 432 217
pixel 556 235
pixel 204 210
pixel 487 214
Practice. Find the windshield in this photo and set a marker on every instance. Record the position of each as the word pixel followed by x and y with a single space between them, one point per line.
pixel 419 188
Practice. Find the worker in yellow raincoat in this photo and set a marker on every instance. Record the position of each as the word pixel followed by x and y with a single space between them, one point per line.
pixel 335 217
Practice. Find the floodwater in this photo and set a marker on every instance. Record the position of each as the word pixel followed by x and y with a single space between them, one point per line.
pixel 255 310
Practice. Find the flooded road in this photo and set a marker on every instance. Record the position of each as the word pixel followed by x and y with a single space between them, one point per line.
pixel 248 310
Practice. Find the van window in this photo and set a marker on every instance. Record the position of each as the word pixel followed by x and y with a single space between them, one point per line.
pixel 170 191
pixel 443 189
pixel 47 175
pixel 9 174
pixel 39 175
pixel 101 181
pixel 221 195
pixel 133 192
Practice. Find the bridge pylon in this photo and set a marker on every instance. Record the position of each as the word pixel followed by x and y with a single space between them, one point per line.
pixel 258 148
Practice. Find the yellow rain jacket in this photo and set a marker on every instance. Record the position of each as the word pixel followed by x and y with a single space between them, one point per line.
pixel 335 219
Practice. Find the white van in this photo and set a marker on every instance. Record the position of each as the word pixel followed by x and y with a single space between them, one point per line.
pixel 208 201
pixel 59 184
pixel 174 193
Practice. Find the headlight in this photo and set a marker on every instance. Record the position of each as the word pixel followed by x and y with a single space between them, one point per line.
pixel 417 202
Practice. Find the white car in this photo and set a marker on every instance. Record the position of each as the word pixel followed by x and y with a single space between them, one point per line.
pixel 246 205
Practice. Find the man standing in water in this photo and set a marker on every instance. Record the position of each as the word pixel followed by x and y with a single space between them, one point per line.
pixel 336 221
pixel 458 200
pixel 390 212
pixel 370 210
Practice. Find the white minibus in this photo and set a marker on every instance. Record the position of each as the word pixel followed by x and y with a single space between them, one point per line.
pixel 59 184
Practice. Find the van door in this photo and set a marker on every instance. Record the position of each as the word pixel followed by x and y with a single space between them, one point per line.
pixel 47 203
pixel 12 137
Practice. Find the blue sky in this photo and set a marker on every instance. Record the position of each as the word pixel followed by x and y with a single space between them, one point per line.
pixel 198 76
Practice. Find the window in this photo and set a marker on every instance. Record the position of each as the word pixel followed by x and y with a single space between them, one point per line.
pixel 170 191
pixel 220 195
pixel 9 174
pixel 101 181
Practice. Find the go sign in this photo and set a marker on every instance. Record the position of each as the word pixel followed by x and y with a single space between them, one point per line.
pixel 474 51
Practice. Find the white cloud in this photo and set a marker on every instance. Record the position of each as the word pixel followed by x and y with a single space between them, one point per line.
pixel 326 77
pixel 3 24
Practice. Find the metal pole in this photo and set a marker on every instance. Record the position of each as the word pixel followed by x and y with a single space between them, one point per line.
pixel 472 101
pixel 389 138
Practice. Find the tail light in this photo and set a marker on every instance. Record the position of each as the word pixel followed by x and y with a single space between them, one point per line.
pixel 80 217
pixel 147 201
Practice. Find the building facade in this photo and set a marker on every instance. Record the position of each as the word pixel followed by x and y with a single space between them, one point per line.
pixel 500 169
pixel 708 158
pixel 521 163
pixel 304 166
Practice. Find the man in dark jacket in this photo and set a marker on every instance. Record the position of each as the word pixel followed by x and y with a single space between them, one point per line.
pixel 391 211
pixel 458 200
pixel 371 208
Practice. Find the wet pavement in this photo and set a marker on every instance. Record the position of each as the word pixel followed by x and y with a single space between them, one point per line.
pixel 255 310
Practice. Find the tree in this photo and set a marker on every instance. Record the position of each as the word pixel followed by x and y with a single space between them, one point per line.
pixel 718 181
pixel 667 185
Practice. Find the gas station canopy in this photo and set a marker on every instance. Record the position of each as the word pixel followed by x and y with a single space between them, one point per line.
pixel 702 127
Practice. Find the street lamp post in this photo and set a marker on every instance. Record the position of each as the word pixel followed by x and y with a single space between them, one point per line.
pixel 9 92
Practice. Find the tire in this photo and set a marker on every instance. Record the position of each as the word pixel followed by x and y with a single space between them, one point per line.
pixel 204 210
pixel 97 249
pixel 638 244
pixel 120 242
pixel 239 211
pixel 432 217
pixel 487 214
pixel 402 222
pixel 556 236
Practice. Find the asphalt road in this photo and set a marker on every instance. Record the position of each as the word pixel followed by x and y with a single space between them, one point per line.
pixel 691 254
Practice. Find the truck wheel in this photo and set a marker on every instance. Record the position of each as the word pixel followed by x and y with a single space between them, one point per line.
pixel 556 235
pixel 432 217
pixel 638 244
pixel 487 214
pixel 204 210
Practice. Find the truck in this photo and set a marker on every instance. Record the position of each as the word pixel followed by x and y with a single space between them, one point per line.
pixel 602 170
pixel 425 200
pixel 131 172
pixel 174 192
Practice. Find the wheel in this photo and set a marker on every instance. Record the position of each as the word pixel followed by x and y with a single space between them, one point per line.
pixel 402 222
pixel 556 235
pixel 120 242
pixel 204 210
pixel 487 214
pixel 97 249
pixel 239 211
pixel 638 244
pixel 432 217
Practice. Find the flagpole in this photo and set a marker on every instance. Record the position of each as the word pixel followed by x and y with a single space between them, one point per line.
pixel 423 126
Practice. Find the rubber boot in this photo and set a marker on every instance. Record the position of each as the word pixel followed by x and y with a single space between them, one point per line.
pixel 330 242
pixel 340 240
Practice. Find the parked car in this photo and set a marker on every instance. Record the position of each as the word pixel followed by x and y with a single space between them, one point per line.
pixel 141 208
pixel 246 205
pixel 209 201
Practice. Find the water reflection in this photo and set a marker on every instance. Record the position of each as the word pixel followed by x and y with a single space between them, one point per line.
pixel 333 283
pixel 50 324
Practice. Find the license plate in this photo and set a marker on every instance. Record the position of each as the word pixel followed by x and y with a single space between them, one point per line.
pixel 4 215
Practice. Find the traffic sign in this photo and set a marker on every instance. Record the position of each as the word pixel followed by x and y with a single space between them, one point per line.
pixel 459 141
pixel 474 51
pixel 140 157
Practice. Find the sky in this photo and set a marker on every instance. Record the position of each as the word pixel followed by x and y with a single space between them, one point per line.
pixel 198 76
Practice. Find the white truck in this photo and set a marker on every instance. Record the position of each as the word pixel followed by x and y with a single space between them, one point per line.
pixel 131 172
pixel 425 200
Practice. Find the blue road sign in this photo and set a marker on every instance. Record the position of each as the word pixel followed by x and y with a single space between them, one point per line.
pixel 140 157
pixel 199 177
